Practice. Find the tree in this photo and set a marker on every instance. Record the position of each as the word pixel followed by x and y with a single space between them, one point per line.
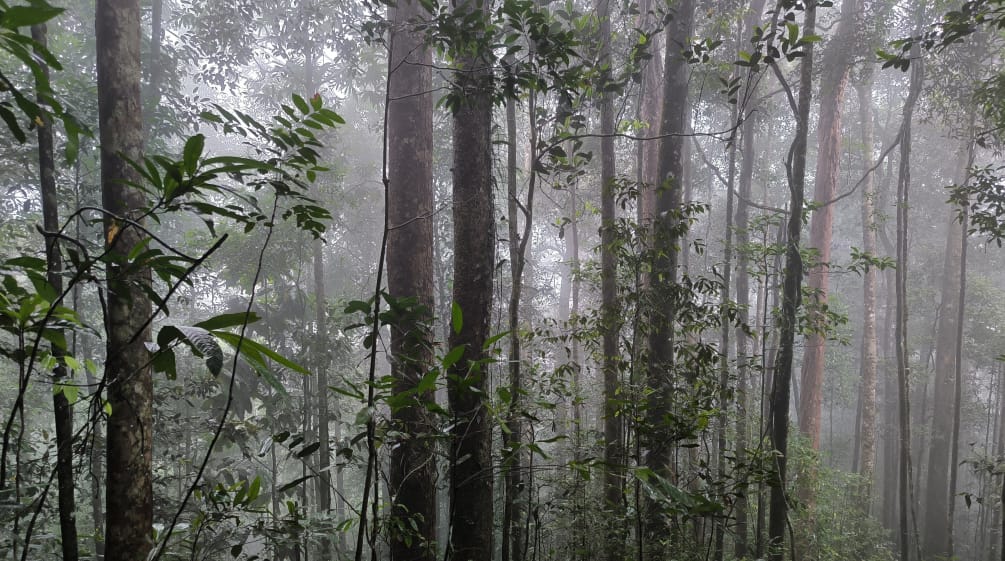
pixel 471 469
pixel 410 282
pixel 836 65
pixel 791 296
pixel 129 492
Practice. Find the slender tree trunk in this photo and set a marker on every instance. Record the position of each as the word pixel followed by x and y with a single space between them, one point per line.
pixel 129 497
pixel 663 277
pixel 900 329
pixel 410 276
pixel 954 455
pixel 791 294
pixel 609 312
pixel 833 84
pixel 474 262
pixel 62 408
pixel 870 359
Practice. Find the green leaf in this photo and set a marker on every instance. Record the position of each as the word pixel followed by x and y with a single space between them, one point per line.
pixel 301 104
pixel 223 321
pixel 456 318
pixel 249 346
pixel 309 449
pixel 22 16
pixel 453 356
pixel 192 153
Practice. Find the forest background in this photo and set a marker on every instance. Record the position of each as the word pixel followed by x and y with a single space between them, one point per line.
pixel 507 280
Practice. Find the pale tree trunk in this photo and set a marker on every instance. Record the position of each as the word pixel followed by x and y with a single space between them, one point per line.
pixel 129 494
pixel 412 484
pixel 669 193
pixel 936 536
pixel 791 294
pixel 609 313
pixel 870 359
pixel 62 408
pixel 471 514
pixel 900 329
pixel 836 65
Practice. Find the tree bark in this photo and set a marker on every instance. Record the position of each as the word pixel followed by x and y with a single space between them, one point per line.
pixel 129 493
pixel 833 84
pixel 900 329
pixel 791 295
pixel 663 277
pixel 410 276
pixel 609 312
pixel 936 535
pixel 474 263
pixel 62 408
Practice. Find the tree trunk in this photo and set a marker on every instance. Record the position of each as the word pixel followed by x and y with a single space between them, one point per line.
pixel 62 408
pixel 936 535
pixel 474 263
pixel 870 359
pixel 900 329
pixel 129 494
pixel 610 321
pixel 410 276
pixel 833 83
pixel 791 294
pixel 664 267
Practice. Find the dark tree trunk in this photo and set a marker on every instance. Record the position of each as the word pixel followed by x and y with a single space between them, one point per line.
pixel 609 313
pixel 665 238
pixel 471 514
pixel 410 275
pixel 129 494
pixel 900 329
pixel 791 294
pixel 54 268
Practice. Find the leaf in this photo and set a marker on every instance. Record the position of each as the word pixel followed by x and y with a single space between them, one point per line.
pixel 301 104
pixel 223 321
pixel 23 16
pixel 453 356
pixel 309 449
pixel 456 318
pixel 249 346
pixel 200 340
pixel 192 152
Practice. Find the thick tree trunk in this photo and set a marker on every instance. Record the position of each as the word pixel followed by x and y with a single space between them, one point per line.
pixel 936 535
pixel 474 263
pixel 833 84
pixel 870 359
pixel 54 267
pixel 129 494
pixel 663 277
pixel 410 276
pixel 791 295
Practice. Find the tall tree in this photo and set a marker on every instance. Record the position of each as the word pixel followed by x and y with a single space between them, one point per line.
pixel 54 268
pixel 410 276
pixel 471 509
pixel 870 358
pixel 791 295
pixel 666 229
pixel 129 492
pixel 936 537
pixel 609 314
pixel 835 67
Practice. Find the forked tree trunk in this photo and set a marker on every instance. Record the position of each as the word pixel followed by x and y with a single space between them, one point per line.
pixel 129 493
pixel 471 515
pixel 410 276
